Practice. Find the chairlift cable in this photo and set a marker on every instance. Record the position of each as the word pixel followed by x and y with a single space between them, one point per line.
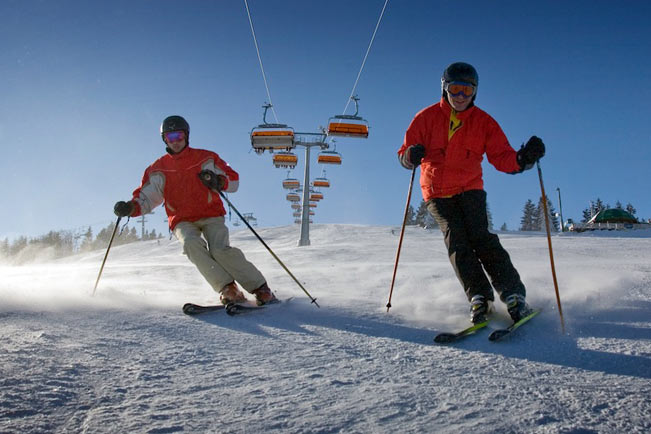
pixel 368 50
pixel 257 49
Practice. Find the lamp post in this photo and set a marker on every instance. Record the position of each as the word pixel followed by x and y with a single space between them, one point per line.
pixel 560 208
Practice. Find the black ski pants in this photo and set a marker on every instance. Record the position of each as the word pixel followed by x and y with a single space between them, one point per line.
pixel 472 248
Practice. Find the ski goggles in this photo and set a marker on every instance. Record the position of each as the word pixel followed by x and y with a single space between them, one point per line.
pixel 460 88
pixel 173 136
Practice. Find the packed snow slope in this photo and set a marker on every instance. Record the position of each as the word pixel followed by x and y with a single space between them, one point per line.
pixel 128 360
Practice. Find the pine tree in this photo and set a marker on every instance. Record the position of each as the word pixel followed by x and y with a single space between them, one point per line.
pixel 421 213
pixel 411 218
pixel 4 248
pixel 539 219
pixel 631 210
pixel 87 240
pixel 489 215
pixel 528 216
pixel 423 218
pixel 503 227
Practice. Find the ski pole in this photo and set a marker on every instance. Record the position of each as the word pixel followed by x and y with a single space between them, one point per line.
pixel 549 243
pixel 267 247
pixel 117 223
pixel 402 233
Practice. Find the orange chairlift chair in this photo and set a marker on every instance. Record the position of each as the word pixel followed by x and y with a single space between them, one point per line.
pixel 348 125
pixel 271 137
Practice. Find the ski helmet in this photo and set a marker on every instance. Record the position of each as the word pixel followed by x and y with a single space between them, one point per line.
pixel 175 123
pixel 459 71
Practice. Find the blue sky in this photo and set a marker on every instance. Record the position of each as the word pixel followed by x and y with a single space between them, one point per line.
pixel 86 85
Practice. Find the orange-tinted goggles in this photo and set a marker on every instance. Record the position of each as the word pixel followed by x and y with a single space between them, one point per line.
pixel 458 88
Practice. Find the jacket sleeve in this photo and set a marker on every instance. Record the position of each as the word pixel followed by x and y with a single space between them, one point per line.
pixel 414 135
pixel 220 167
pixel 150 193
pixel 498 150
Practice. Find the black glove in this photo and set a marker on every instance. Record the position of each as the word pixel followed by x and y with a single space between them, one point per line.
pixel 123 209
pixel 416 153
pixel 533 151
pixel 211 180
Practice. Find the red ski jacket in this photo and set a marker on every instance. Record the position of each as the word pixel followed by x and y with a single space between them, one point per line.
pixel 455 144
pixel 174 179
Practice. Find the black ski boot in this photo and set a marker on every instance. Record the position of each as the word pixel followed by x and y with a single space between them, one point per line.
pixel 517 307
pixel 480 308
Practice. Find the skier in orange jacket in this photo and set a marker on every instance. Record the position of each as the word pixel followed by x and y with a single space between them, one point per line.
pixel 448 140
pixel 188 181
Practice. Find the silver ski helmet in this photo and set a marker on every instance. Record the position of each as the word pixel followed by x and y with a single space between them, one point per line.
pixel 459 71
pixel 175 123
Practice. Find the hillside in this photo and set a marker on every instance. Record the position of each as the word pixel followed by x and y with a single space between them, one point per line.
pixel 128 360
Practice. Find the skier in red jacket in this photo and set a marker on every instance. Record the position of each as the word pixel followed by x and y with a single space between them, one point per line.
pixel 188 181
pixel 448 140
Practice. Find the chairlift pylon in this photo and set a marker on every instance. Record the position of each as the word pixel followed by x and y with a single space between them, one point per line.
pixel 348 125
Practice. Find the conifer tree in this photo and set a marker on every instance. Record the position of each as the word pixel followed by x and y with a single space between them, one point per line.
pixel 528 216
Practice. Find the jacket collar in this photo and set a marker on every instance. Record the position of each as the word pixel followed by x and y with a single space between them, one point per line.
pixel 447 109
pixel 184 153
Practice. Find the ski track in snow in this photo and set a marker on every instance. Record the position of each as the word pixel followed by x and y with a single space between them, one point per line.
pixel 128 360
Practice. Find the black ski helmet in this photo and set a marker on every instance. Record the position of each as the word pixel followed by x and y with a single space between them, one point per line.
pixel 459 71
pixel 175 123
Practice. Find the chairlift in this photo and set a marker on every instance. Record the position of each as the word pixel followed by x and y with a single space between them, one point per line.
pixel 249 218
pixel 293 197
pixel 312 204
pixel 329 157
pixel 291 184
pixel 348 125
pixel 271 137
pixel 316 196
pixel 285 159
pixel 321 182
pixel 296 206
pixel 297 214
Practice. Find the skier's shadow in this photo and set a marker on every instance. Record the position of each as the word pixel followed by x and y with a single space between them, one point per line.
pixel 595 342
pixel 542 343
pixel 299 316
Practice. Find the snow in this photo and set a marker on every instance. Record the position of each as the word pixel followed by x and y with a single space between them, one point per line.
pixel 128 360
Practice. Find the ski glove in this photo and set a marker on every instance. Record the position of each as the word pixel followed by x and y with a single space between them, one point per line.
pixel 416 154
pixel 528 154
pixel 211 180
pixel 123 209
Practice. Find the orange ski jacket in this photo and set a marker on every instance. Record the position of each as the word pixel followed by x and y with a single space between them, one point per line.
pixel 455 144
pixel 174 179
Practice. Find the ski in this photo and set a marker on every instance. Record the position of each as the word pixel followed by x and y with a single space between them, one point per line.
pixel 238 308
pixel 195 309
pixel 446 338
pixel 498 334
pixel 231 309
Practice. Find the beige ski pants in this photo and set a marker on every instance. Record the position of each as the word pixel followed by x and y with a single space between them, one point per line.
pixel 218 262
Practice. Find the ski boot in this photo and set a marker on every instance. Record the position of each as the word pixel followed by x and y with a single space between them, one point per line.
pixel 517 307
pixel 231 294
pixel 263 295
pixel 480 308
